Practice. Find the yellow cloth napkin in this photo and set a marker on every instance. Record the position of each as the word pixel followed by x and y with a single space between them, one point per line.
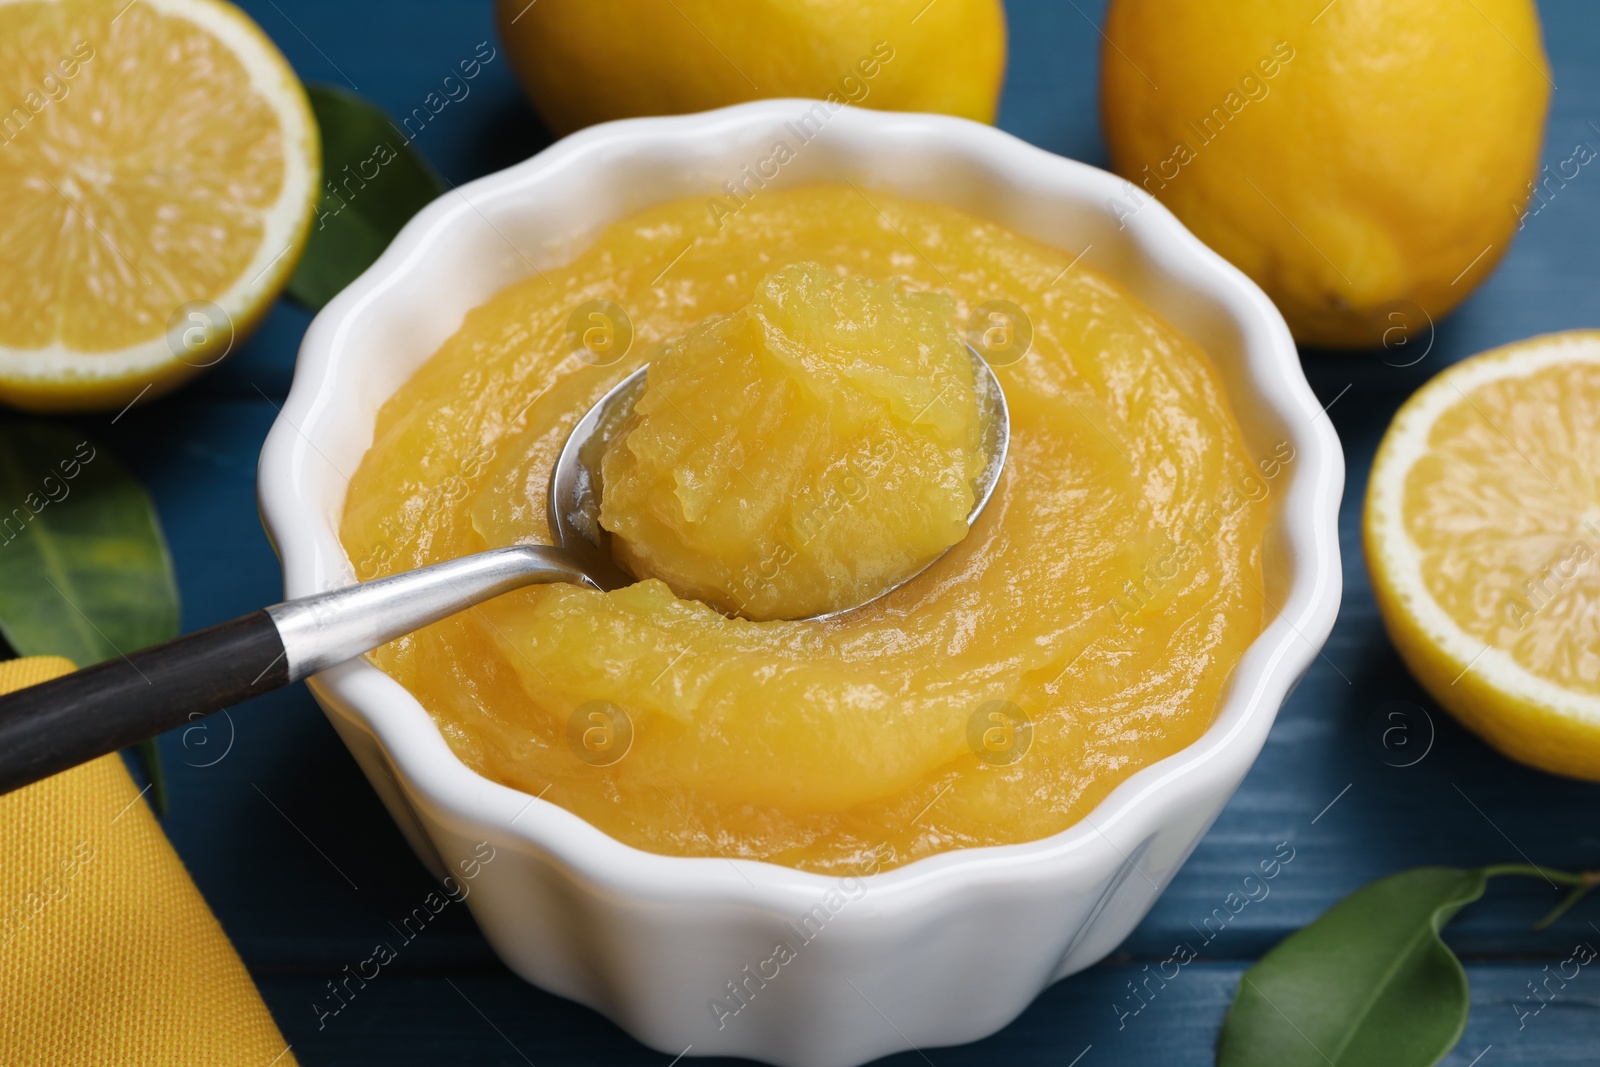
pixel 108 953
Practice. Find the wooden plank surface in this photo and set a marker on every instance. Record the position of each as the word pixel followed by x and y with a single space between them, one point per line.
pixel 305 871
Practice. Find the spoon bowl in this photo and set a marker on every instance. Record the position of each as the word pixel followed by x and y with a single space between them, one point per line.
pixel 576 489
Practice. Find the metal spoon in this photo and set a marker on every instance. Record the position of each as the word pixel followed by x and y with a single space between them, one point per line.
pixel 58 724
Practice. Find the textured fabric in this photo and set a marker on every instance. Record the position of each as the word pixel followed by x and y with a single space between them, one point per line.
pixel 108 953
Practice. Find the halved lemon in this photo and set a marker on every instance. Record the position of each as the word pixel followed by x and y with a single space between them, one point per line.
pixel 159 170
pixel 1482 535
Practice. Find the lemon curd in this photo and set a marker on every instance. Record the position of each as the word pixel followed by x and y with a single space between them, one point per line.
pixel 833 450
pixel 1085 627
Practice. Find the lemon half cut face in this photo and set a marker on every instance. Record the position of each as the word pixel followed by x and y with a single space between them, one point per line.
pixel 158 163
pixel 1482 533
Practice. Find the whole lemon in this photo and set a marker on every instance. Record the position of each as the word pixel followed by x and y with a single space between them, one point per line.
pixel 588 61
pixel 1367 162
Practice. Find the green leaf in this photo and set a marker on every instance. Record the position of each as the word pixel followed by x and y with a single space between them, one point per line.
pixel 84 570
pixel 1369 982
pixel 373 182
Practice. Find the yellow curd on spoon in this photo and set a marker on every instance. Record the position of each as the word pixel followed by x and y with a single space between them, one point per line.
pixel 802 455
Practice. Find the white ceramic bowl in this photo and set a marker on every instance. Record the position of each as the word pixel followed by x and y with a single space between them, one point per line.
pixel 941 951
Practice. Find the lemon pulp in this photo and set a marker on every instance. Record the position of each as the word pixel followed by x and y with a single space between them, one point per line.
pixel 1521 585
pixel 1084 628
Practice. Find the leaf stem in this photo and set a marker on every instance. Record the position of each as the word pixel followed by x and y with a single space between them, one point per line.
pixel 1549 874
pixel 1579 885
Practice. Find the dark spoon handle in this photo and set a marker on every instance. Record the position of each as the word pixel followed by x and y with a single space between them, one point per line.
pixel 70 720
pixel 61 723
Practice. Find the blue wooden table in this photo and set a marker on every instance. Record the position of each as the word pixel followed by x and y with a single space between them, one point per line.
pixel 306 872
